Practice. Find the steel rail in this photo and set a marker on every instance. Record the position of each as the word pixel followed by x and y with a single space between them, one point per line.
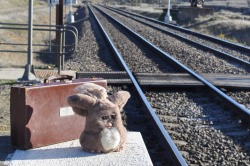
pixel 243 111
pixel 215 51
pixel 176 155
pixel 207 37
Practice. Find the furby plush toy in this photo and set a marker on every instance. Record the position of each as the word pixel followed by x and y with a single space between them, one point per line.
pixel 104 131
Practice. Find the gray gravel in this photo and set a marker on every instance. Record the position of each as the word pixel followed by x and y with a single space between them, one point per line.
pixel 198 60
pixel 242 97
pixel 5 147
pixel 93 55
pixel 137 57
pixel 191 121
pixel 198 146
pixel 240 54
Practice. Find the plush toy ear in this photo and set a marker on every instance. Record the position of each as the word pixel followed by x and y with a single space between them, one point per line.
pixel 120 98
pixel 81 103
pixel 80 111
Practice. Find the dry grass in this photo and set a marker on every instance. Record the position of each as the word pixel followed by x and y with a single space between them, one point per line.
pixel 228 25
pixel 16 11
pixel 229 3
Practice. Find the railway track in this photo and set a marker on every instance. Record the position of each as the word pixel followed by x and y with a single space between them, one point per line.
pixel 190 111
pixel 225 46
pixel 149 32
pixel 187 118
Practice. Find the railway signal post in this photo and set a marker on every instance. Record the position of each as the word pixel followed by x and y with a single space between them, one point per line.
pixel 168 17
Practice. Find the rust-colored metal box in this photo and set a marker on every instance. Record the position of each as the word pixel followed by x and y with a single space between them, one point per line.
pixel 40 114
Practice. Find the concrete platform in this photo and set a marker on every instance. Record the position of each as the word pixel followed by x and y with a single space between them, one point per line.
pixel 17 73
pixel 70 154
pixel 11 73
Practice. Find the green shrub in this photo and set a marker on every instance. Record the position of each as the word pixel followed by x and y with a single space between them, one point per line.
pixel 222 36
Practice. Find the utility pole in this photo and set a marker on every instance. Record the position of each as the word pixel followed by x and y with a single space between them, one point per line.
pixel 168 17
pixel 29 74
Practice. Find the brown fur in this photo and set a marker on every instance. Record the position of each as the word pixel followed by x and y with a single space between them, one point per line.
pixel 104 126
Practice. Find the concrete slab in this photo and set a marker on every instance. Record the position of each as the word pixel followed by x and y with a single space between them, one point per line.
pixel 17 73
pixel 11 73
pixel 70 154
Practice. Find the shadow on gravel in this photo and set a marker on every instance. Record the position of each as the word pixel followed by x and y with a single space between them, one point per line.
pixel 105 52
pixel 50 58
pixel 224 122
pixel 81 15
pixel 5 147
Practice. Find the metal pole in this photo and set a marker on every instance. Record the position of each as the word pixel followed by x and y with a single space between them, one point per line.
pixel 70 16
pixel 70 9
pixel 168 17
pixel 29 70
pixel 50 25
pixel 30 34
pixel 168 7
pixel 63 48
pixel 65 8
pixel 60 52
pixel 59 21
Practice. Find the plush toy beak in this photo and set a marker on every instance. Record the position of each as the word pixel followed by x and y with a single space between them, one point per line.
pixel 109 125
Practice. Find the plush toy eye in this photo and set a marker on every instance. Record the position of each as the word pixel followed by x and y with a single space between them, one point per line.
pixel 105 117
pixel 109 117
pixel 113 116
